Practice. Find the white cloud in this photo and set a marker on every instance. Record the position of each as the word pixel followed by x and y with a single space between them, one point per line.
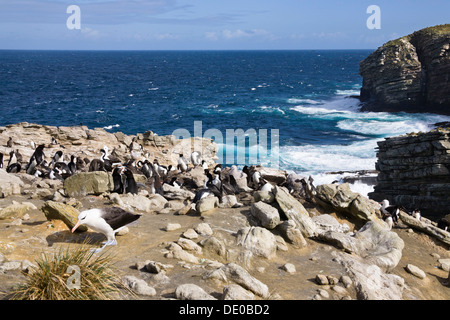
pixel 239 34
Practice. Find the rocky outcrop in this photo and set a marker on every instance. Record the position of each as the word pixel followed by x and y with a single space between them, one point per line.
pixel 409 74
pixel 341 198
pixel 84 142
pixel 415 172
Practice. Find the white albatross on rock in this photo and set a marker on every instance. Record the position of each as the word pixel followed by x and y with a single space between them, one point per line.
pixel 107 221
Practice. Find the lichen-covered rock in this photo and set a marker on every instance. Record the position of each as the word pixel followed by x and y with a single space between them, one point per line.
pixel 60 211
pixel 88 183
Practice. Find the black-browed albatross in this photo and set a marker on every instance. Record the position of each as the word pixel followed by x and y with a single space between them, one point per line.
pixel 107 221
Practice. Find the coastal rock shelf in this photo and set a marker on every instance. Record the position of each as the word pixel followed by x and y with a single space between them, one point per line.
pixel 409 74
pixel 415 172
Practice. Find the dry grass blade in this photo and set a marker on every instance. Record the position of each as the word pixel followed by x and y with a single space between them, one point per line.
pixel 72 274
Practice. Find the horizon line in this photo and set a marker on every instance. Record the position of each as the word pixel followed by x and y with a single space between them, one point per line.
pixel 131 50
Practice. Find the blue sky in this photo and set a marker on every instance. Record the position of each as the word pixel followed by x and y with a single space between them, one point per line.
pixel 212 24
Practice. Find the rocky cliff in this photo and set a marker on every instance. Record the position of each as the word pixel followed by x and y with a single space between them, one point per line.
pixel 415 171
pixel 409 74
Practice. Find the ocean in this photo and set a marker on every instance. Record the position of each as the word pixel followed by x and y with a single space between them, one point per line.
pixel 304 99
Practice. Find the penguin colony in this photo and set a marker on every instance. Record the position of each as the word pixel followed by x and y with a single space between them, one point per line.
pixel 218 182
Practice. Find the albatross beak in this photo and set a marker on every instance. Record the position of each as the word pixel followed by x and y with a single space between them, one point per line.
pixel 76 226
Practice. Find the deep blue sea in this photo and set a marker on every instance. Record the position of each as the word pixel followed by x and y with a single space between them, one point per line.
pixel 306 95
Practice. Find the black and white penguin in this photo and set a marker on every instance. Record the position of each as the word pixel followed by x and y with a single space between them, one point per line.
pixel 56 157
pixel 145 168
pixel 53 141
pixel 131 185
pixel 182 165
pixel 391 210
pixel 229 185
pixel 416 214
pixel 388 219
pixel 96 165
pixel 175 183
pixel 204 165
pixel 12 158
pixel 14 168
pixel 72 165
pixel 266 186
pixel 117 179
pixel 109 160
pixel 443 224
pixel 10 142
pixel 217 169
pixel 38 154
pixel 1 160
pixel 31 166
pixel 19 156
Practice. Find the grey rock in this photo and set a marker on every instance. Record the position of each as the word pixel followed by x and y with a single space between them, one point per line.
pixel 139 286
pixel 295 211
pixel 258 240
pixel 236 292
pixel 237 274
pixel 267 215
pixel 191 291
pixel 416 271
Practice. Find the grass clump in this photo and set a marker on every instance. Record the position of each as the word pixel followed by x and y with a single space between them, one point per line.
pixel 77 274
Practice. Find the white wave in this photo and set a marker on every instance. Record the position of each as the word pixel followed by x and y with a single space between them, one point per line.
pixel 271 109
pixel 380 127
pixel 351 92
pixel 308 101
pixel 111 126
pixel 359 155
pixel 340 105
pixel 315 110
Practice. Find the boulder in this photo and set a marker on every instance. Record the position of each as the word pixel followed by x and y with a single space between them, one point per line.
pixel 9 184
pixel 425 227
pixel 138 286
pixel 379 246
pixel 60 211
pixel 291 233
pixel 264 196
pixel 342 199
pixel 276 176
pixel 16 210
pixel 267 215
pixel 326 222
pixel 173 193
pixel 196 175
pixel 295 211
pixel 206 204
pixel 134 202
pixel 259 241
pixel 214 245
pixel 236 292
pixel 237 274
pixel 370 282
pixel 88 183
pixel 191 291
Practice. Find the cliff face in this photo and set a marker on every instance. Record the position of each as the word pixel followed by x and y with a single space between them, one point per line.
pixel 415 172
pixel 409 74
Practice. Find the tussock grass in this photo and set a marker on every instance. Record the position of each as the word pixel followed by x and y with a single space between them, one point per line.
pixel 52 279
